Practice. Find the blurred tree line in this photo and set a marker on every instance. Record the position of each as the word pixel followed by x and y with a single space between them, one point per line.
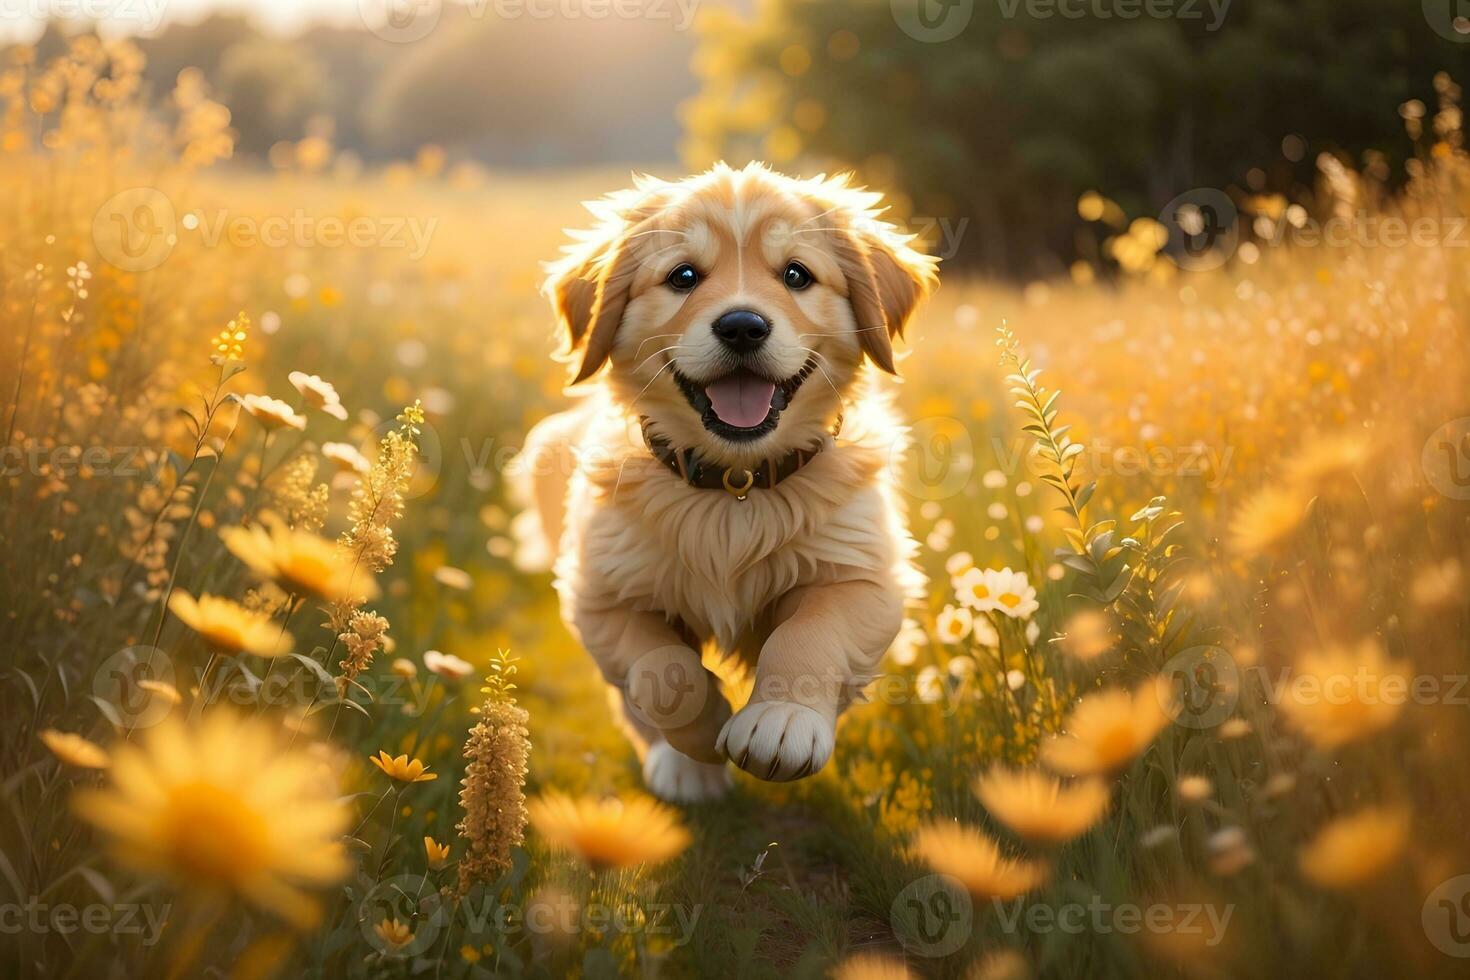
pixel 1010 121
pixel 996 130
pixel 507 92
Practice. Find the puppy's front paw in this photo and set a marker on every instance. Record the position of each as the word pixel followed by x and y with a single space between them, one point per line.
pixel 675 778
pixel 777 740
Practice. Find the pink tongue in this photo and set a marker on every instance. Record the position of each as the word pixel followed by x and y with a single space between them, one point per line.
pixel 741 399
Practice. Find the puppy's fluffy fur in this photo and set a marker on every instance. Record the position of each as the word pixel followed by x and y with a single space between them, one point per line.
pixel 805 581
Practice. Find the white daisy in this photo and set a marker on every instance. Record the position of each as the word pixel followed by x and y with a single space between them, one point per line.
pixel 954 624
pixel 319 394
pixel 972 588
pixel 1010 593
pixel 345 457
pixel 930 685
pixel 447 665
pixel 272 412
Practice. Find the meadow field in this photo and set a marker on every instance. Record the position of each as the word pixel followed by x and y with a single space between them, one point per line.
pixel 282 702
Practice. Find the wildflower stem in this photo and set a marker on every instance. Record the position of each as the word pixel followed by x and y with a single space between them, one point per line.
pixel 293 603
pixel 388 840
pixel 204 694
pixel 20 373
pixel 369 815
pixel 211 408
pixel 173 575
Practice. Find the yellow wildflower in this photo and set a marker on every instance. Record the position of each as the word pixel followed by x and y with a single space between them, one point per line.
pixel 1356 849
pixel 1109 729
pixel 224 806
pixel 871 966
pixel 437 853
pixel 229 627
pixel 609 833
pixel 1338 696
pixel 1040 807
pixel 164 690
pixel 975 860
pixel 299 560
pixel 394 933
pixel 74 750
pixel 1266 520
pixel 402 768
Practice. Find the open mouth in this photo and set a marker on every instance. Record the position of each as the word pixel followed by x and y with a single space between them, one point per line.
pixel 742 405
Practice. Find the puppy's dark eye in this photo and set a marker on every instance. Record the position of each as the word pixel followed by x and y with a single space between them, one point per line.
pixel 684 278
pixel 796 276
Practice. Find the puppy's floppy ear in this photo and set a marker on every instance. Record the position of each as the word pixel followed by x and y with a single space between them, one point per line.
pixel 886 279
pixel 589 285
pixel 588 290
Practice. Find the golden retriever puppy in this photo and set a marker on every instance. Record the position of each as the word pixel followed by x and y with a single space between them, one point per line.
pixel 727 484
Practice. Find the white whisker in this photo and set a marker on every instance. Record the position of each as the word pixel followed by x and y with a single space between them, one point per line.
pixel 632 270
pixel 619 481
pixel 639 366
pixel 657 231
pixel 820 214
pixel 820 357
pixel 855 330
pixel 667 364
pixel 650 339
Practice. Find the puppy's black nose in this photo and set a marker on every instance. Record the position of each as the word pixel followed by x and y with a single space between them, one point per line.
pixel 742 330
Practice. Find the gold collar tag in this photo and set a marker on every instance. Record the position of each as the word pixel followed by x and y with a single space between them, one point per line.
pixel 740 491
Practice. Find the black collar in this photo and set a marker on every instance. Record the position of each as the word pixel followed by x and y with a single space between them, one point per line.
pixel 735 480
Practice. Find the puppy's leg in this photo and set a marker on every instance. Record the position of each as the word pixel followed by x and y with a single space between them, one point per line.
pixel 662 679
pixel 829 638
pixel 668 773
